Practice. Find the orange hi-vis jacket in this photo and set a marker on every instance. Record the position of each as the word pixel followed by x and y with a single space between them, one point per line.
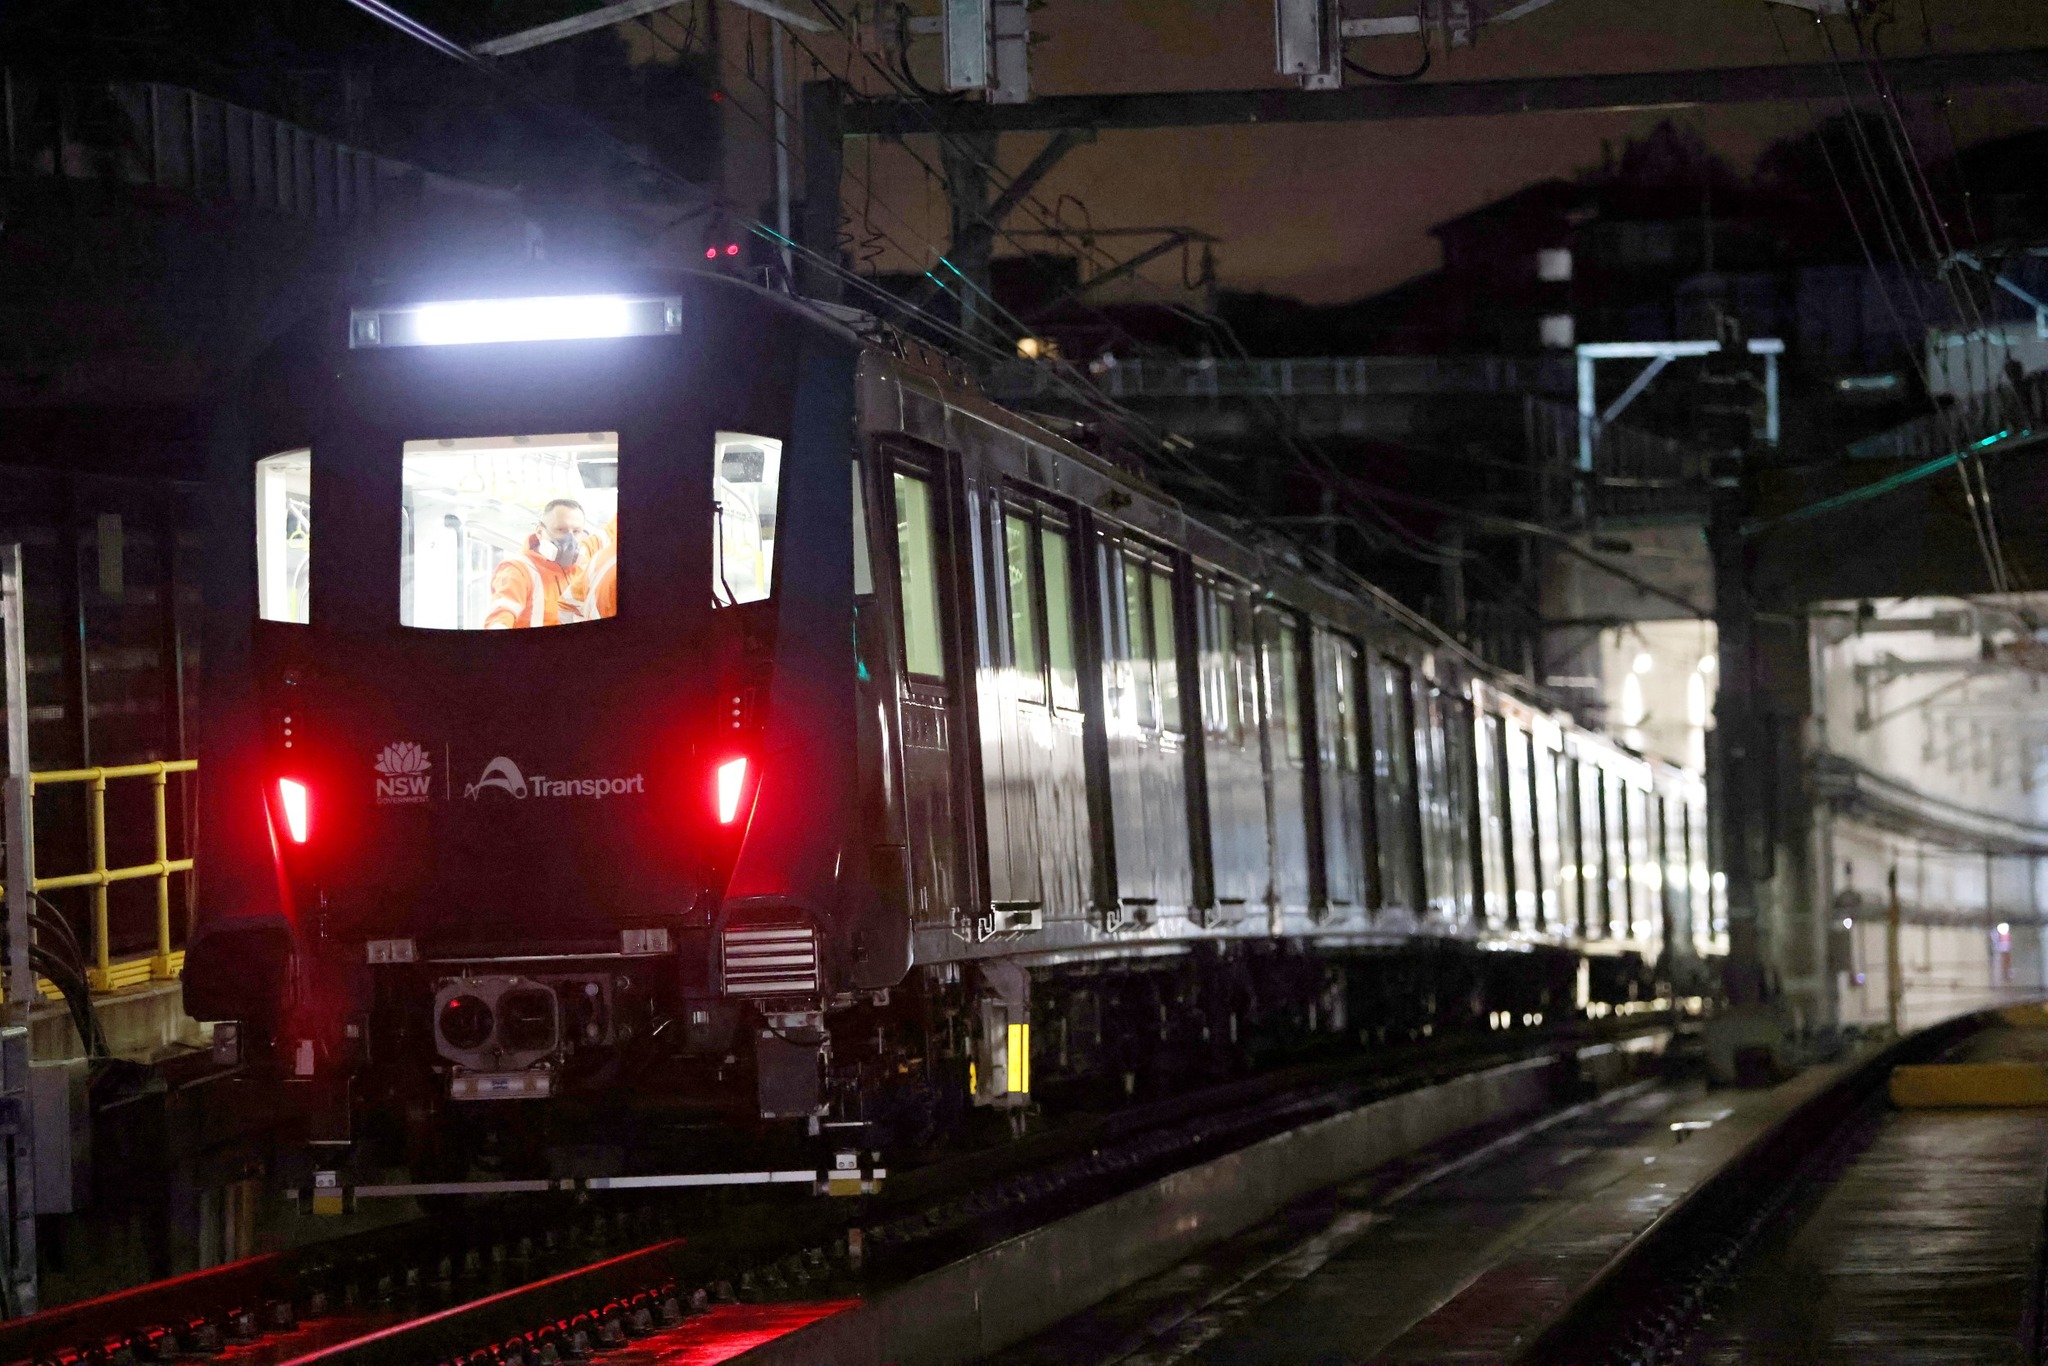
pixel 604 573
pixel 530 583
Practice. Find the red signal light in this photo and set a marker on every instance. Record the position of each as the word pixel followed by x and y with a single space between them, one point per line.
pixel 732 782
pixel 732 248
pixel 293 797
pixel 711 253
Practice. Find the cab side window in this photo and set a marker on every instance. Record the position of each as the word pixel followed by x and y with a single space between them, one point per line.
pixel 284 535
pixel 917 561
pixel 746 479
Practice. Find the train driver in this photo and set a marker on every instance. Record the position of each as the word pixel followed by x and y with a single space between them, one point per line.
pixel 544 584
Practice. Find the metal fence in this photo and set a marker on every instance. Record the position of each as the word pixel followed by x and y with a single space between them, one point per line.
pixel 1635 473
pixel 163 965
pixel 25 883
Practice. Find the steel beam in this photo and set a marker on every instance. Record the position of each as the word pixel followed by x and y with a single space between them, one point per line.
pixel 1617 93
pixel 1118 271
pixel 1063 142
pixel 625 12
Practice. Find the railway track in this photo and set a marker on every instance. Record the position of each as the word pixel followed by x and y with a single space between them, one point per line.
pixel 541 1281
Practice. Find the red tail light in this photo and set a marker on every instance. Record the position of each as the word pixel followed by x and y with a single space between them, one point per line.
pixel 732 782
pixel 292 796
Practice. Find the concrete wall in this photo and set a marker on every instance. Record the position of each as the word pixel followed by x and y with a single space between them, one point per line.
pixel 1932 693
pixel 1949 970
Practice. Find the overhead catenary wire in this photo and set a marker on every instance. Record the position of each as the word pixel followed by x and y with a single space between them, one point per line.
pixel 1402 539
pixel 1161 446
pixel 1085 394
pixel 1893 224
pixel 1941 249
pixel 1149 434
pixel 1317 462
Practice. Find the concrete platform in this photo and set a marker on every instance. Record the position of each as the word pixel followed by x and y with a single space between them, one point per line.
pixel 142 1024
pixel 1925 1248
pixel 1463 1261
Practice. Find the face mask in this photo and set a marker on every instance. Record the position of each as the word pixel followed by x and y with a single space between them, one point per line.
pixel 566 550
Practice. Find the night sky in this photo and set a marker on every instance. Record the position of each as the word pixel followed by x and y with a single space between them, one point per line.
pixel 1331 212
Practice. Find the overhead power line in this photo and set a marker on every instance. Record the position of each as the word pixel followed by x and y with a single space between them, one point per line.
pixel 1877 488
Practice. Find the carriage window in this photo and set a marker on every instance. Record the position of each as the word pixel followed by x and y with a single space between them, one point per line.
pixel 1283 684
pixel 1344 679
pixel 507 532
pixel 1165 658
pixel 1023 595
pixel 1593 852
pixel 1059 620
pixel 1137 641
pixel 284 534
pixel 917 565
pixel 1395 789
pixel 747 476
pixel 1216 614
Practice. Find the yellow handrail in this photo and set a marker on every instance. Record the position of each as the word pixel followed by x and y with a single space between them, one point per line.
pixel 162 965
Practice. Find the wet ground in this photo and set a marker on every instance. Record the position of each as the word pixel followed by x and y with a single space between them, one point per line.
pixel 1923 1249
pixel 1457 1261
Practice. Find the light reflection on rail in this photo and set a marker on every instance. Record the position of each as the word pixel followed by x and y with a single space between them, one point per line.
pixel 723 1333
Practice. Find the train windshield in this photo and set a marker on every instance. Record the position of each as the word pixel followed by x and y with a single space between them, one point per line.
pixel 510 532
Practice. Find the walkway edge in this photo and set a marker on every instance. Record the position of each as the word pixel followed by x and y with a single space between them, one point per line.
pixel 1004 1294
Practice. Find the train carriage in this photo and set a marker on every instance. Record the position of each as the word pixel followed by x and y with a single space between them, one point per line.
pixel 693 693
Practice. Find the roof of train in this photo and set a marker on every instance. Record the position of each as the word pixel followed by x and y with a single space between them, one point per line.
pixel 953 384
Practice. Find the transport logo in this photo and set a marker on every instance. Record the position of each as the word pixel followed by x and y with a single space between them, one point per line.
pixel 504 775
pixel 404 774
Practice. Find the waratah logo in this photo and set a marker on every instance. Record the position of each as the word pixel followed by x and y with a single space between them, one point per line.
pixel 405 774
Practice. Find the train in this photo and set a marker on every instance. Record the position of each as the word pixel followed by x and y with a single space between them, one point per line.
pixel 699 697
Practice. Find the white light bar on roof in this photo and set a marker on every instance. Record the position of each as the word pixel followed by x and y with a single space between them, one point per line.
pixel 562 317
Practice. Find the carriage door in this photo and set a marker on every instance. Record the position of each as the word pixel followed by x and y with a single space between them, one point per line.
pixel 1343 788
pixel 1147 743
pixel 927 674
pixel 1287 753
pixel 1015 710
pixel 1236 772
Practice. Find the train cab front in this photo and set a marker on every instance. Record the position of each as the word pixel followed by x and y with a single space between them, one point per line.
pixel 531 772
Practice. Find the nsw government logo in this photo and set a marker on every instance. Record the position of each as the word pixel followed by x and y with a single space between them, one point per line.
pixel 404 775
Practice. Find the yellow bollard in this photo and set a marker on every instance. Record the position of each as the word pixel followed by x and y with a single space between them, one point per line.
pixel 101 977
pixel 1970 1085
pixel 160 965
